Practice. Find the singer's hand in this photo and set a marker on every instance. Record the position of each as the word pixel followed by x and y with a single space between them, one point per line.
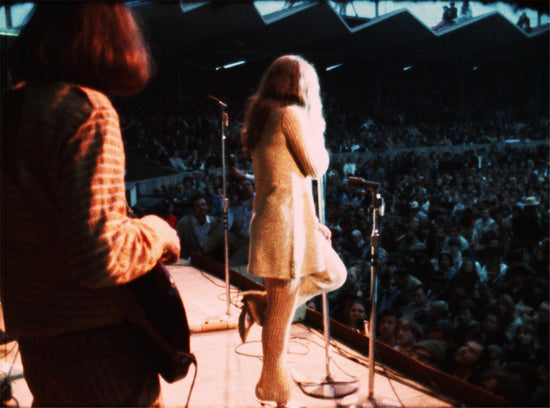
pixel 236 173
pixel 327 233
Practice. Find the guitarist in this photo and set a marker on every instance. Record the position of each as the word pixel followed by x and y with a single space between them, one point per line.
pixel 66 237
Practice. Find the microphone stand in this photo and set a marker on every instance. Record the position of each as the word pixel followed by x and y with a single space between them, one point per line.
pixel 377 209
pixel 224 121
pixel 331 386
pixel 222 322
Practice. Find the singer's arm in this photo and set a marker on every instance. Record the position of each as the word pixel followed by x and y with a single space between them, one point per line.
pixel 307 147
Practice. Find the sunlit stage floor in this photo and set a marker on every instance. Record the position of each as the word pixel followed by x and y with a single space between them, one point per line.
pixel 228 370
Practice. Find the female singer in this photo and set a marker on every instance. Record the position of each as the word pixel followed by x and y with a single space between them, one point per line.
pixel 289 248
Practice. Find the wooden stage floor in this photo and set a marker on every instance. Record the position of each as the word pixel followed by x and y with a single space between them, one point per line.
pixel 228 370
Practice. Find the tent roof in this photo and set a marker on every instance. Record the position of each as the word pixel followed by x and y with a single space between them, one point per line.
pixel 211 34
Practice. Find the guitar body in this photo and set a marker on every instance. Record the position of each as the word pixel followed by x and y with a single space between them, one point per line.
pixel 154 302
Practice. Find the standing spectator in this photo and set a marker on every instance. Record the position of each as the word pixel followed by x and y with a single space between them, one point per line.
pixel 524 23
pixel 465 12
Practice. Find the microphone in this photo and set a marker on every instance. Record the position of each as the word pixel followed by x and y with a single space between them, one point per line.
pixel 359 182
pixel 224 105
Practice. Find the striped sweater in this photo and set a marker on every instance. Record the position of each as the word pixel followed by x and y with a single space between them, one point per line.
pixel 65 235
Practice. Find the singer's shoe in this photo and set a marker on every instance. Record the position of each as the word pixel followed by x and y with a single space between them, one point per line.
pixel 253 311
pixel 245 322
pixel 256 302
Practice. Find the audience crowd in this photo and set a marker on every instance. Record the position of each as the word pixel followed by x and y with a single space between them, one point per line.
pixel 462 254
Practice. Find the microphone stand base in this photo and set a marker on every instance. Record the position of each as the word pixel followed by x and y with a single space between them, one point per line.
pixel 215 323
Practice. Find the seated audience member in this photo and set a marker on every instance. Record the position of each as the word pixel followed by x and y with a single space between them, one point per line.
pixel 356 246
pixel 391 297
pixel 454 233
pixel 483 299
pixel 184 193
pixel 507 309
pixel 540 397
pixel 459 289
pixel 439 309
pixel 444 330
pixel 406 282
pixel 481 226
pixel 448 17
pixel 492 329
pixel 542 325
pixel 387 321
pixel 469 269
pixel 407 242
pixel 408 334
pixel 526 378
pixel 168 213
pixel 241 211
pixel 200 232
pixel 355 314
pixel 438 287
pixel 466 325
pixel 445 266
pixel 524 347
pixel 455 253
pixel 430 352
pixel 420 265
pixel 470 360
pixel 507 385
pixel 419 308
pixel 495 357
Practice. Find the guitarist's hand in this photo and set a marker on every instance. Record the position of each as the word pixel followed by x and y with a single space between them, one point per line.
pixel 171 252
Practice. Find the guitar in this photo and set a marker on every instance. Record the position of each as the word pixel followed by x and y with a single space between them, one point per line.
pixel 153 302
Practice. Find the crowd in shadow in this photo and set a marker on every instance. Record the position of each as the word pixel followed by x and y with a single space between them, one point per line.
pixel 462 253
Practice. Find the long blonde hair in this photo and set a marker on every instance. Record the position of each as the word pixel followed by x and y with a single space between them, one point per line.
pixel 289 80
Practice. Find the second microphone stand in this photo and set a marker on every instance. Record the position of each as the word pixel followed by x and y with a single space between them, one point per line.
pixel 377 210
